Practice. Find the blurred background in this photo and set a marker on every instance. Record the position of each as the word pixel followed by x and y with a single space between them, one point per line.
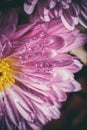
pixel 74 110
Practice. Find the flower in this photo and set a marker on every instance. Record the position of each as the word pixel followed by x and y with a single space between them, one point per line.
pixel 71 13
pixel 83 14
pixel 36 73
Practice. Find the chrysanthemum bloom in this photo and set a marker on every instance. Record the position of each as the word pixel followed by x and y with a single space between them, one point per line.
pixel 36 73
pixel 71 13
pixel 83 12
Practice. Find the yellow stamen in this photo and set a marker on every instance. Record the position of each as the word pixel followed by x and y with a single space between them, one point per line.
pixel 6 77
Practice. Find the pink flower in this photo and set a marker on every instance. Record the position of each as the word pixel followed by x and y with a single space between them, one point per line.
pixel 71 13
pixel 36 73
pixel 83 14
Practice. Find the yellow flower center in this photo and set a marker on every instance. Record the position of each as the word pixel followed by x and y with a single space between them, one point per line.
pixel 6 74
